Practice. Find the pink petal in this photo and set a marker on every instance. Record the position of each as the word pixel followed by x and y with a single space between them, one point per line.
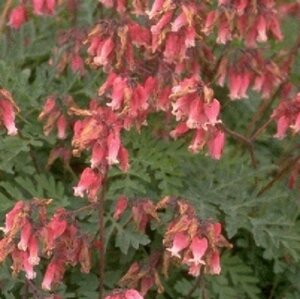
pixel 180 242
pixel 212 111
pixel 215 145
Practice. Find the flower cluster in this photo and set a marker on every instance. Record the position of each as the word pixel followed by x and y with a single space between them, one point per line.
pixel 30 235
pixel 170 83
pixel 193 242
pixel 68 51
pixel 287 115
pixel 98 132
pixel 143 276
pixel 19 14
pixel 248 68
pixel 195 106
pixel 8 110
pixel 120 207
pixel 54 117
pixel 253 21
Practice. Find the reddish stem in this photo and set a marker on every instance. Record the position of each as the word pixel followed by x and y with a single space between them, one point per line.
pixel 101 199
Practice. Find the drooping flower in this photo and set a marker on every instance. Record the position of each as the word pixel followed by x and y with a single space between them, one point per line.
pixel 102 57
pixel 113 147
pixel 212 111
pixel 8 110
pixel 33 249
pixel 198 248
pixel 120 207
pixel 17 17
pixel 124 294
pixel 25 236
pixel 62 125
pixel 54 229
pixel 14 219
pixel 216 144
pixel 53 274
pixel 133 294
pixel 194 269
pixel 77 64
pixel 20 263
pixel 213 263
pixel 44 7
pixel 180 242
pixel 90 183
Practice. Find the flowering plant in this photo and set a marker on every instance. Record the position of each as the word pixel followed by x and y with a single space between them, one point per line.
pixel 145 148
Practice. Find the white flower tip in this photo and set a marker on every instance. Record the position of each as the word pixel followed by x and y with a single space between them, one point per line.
pixel 78 191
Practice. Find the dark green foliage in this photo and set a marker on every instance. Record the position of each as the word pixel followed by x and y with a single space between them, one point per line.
pixel 264 230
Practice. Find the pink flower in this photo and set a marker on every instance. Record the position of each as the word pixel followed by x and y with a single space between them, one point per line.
pixel 95 45
pixel 121 6
pixel 212 111
pixel 14 217
pixel 7 111
pixel 235 81
pixel 28 267
pixel 198 141
pixel 190 35
pixel 20 262
pixel 118 90
pixel 196 118
pixel 198 248
pixel 52 272
pixel 43 7
pixel 120 207
pixel 103 55
pixel 210 21
pixel 180 130
pixel 245 81
pixel 163 101
pixel 54 229
pixel 213 263
pixel 180 242
pixel 25 236
pixel 123 157
pixel 179 22
pixel 261 29
pixel 133 294
pixel 181 107
pixel 157 29
pixel 282 126
pixel 90 183
pixel 194 269
pixel 17 17
pixel 126 294
pixel 77 64
pixel 113 147
pixel 33 251
pixel 98 155
pixel 296 125
pixel 139 35
pixel 173 48
pixel 48 108
pixel 224 33
pixel 274 27
pixel 216 144
pixel 62 125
